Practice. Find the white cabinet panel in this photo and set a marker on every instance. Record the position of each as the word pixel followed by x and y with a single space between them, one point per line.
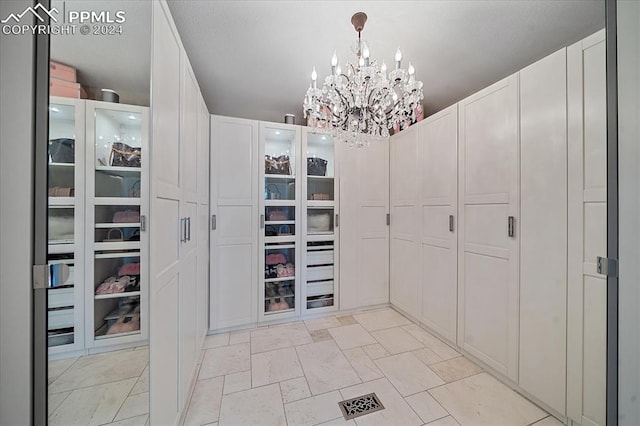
pixel 543 244
pixel 374 271
pixel 488 196
pixel 438 203
pixel 235 145
pixel 233 299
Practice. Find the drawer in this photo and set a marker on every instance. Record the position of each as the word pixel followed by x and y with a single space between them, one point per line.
pixel 316 273
pixel 324 257
pixel 319 288
pixel 60 297
pixel 60 319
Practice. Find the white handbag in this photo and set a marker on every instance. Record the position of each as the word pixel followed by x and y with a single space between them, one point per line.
pixel 318 222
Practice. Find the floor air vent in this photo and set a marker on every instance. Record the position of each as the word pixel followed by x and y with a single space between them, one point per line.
pixel 359 406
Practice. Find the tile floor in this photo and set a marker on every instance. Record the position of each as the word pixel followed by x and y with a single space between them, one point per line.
pixel 105 389
pixel 297 373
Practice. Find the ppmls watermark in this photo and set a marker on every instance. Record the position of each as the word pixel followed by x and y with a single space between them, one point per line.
pixel 85 22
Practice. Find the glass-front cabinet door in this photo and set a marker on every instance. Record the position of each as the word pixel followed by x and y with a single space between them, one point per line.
pixel 117 202
pixel 320 222
pixel 66 226
pixel 279 221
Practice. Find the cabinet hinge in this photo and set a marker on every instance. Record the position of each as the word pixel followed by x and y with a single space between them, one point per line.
pixel 40 277
pixel 608 267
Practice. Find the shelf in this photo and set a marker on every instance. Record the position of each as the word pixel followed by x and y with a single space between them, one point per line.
pixel 118 169
pixel 317 248
pixel 320 177
pixel 284 177
pixel 116 201
pixel 280 222
pixel 280 203
pixel 280 239
pixel 280 247
pixel 279 312
pixel 320 203
pixel 320 237
pixel 117 245
pixel 61 248
pixel 277 280
pixel 286 296
pixel 62 165
pixel 117 255
pixel 116 295
pixel 111 336
pixel 109 225
pixel 62 201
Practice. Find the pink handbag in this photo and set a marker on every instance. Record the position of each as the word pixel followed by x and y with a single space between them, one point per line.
pixel 129 269
pixel 112 285
pixel 275 258
pixel 125 325
pixel 126 216
pixel 278 306
pixel 287 270
pixel 278 215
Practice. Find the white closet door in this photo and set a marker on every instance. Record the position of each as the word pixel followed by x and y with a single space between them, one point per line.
pixel 374 230
pixel 404 181
pixel 543 229
pixel 488 197
pixel 189 249
pixel 164 216
pixel 234 181
pixel 202 298
pixel 587 230
pixel 438 198
pixel 347 160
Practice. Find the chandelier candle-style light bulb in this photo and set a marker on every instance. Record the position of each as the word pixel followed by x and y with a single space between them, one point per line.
pixel 366 102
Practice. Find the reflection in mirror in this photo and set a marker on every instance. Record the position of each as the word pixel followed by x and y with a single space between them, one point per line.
pixel 97 309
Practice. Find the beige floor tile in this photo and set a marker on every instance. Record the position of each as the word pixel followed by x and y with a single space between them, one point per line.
pixel 59 366
pixel 236 382
pixel 427 356
pixel 133 421
pixel 322 323
pixel 100 369
pixel 320 335
pixel 314 410
pixel 258 406
pixel 142 385
pixel 282 336
pixel 548 421
pixel 134 406
pixel 396 410
pixel 216 341
pixel 443 350
pixel 225 360
pixel 426 407
pixel 95 405
pixel 396 340
pixel 338 422
pixel 375 351
pixel 239 337
pixel 408 374
pixel 380 319
pixel 351 336
pixel 55 399
pixel 205 402
pixel 274 366
pixel 445 421
pixel 326 367
pixel 294 389
pixel 363 365
pixel 455 369
pixel 483 400
pixel 347 320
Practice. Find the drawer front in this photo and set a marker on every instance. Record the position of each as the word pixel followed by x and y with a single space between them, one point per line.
pixel 320 273
pixel 60 319
pixel 320 288
pixel 60 297
pixel 324 257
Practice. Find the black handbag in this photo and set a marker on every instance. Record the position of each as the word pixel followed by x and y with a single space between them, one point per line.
pixel 62 150
pixel 316 166
pixel 277 165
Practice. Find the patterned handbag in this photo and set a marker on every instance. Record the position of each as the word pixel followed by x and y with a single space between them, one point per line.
pixel 277 165
pixel 123 155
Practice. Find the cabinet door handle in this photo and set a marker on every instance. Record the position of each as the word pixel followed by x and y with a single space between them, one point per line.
pixel 189 228
pixel 337 220
pixel 261 221
pixel 451 223
pixel 388 219
pixel 511 226
pixel 214 222
pixel 183 229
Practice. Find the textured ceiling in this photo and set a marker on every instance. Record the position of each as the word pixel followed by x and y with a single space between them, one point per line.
pixel 253 59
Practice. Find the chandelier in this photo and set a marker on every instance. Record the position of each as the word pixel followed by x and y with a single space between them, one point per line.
pixel 366 102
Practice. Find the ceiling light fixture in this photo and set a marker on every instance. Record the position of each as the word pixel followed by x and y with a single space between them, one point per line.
pixel 366 102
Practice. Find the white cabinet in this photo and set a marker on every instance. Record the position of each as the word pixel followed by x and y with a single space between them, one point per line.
pixel 234 205
pixel 204 223
pixel 364 235
pixel 587 230
pixel 405 225
pixel 437 216
pixel 488 204
pixel 543 230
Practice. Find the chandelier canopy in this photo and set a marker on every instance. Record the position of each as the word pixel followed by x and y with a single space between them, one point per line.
pixel 366 102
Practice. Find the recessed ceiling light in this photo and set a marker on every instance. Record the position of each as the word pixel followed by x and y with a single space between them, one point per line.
pixel 54 109
pixel 132 117
pixel 277 132
pixel 324 138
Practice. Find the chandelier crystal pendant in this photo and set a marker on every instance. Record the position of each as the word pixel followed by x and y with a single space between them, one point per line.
pixel 365 103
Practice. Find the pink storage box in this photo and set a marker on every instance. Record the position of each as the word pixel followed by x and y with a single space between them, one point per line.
pixel 62 72
pixel 65 89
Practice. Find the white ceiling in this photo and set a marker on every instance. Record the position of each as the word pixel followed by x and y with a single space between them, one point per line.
pixel 253 59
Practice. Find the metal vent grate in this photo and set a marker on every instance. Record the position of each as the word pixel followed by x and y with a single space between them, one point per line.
pixel 359 406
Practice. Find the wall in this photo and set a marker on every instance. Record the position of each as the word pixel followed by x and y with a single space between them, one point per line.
pixel 629 205
pixel 16 152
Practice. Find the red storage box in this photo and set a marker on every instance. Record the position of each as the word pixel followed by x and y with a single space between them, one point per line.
pixel 65 89
pixel 62 72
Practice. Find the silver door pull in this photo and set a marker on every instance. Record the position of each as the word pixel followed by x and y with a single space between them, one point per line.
pixel 337 220
pixel 511 226
pixel 261 221
pixel 214 223
pixel 189 228
pixel 183 229
pixel 388 219
pixel 451 223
